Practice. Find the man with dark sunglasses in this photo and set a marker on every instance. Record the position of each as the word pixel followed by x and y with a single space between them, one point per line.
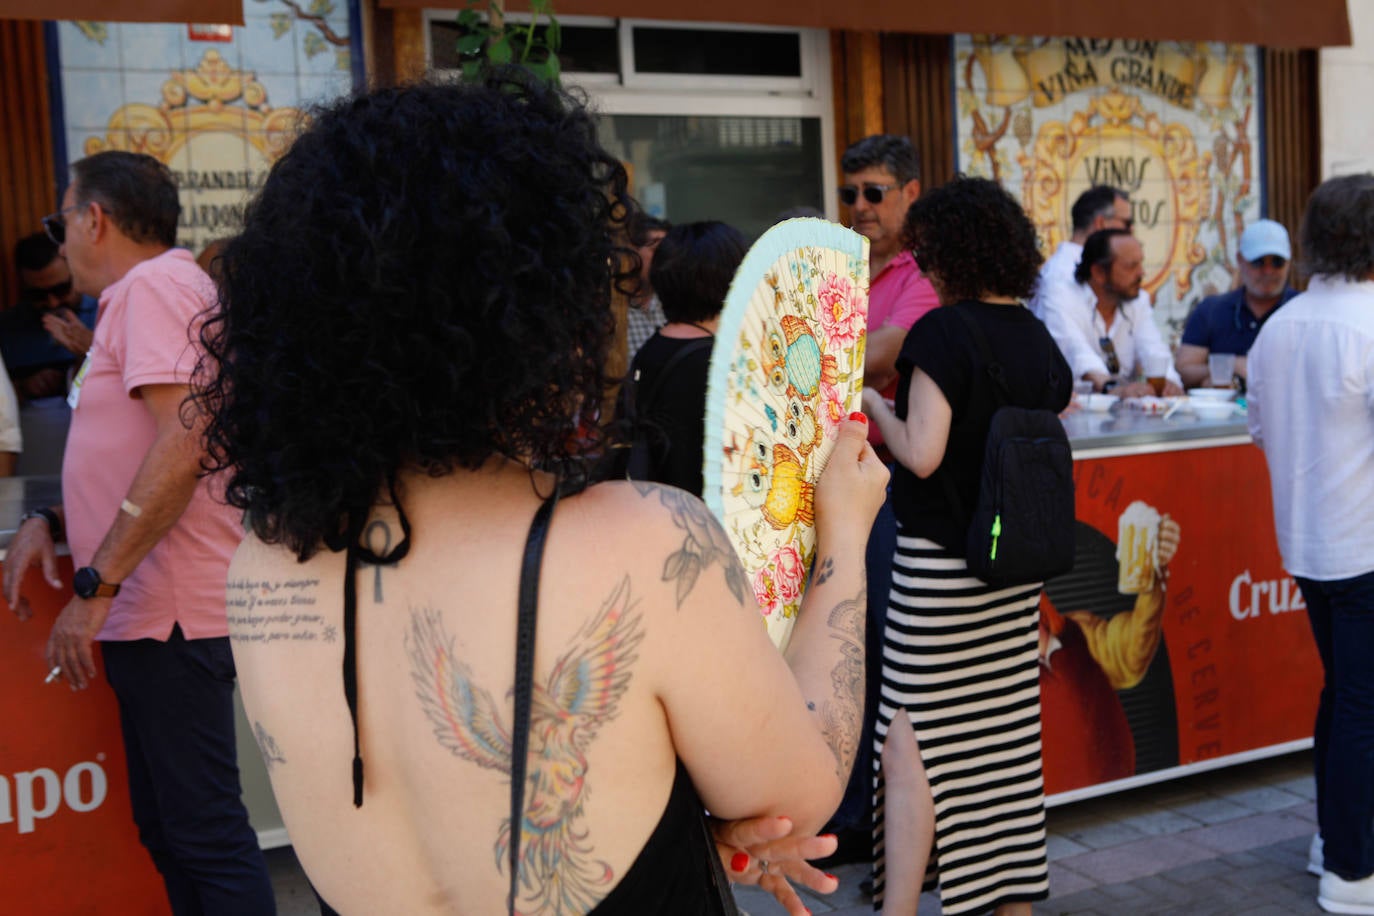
pixel 881 182
pixel 1229 322
pixel 49 329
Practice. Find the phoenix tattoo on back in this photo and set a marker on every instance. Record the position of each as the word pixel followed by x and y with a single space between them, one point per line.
pixel 558 872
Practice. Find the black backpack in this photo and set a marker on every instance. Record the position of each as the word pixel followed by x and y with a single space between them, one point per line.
pixel 1022 529
pixel 649 445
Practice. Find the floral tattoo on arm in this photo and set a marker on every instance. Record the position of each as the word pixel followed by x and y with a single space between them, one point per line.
pixel 705 545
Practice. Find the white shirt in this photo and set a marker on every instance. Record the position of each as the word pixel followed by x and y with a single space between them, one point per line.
pixel 1071 315
pixel 1057 271
pixel 1311 408
pixel 11 439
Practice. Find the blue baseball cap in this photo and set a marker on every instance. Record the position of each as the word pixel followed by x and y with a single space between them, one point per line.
pixel 1264 237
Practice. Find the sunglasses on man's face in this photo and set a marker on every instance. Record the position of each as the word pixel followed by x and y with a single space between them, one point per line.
pixel 873 193
pixel 59 291
pixel 55 224
pixel 1272 261
pixel 1109 351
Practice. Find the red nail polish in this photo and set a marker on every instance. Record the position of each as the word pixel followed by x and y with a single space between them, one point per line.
pixel 739 862
pixel 827 836
pixel 859 416
pixel 831 877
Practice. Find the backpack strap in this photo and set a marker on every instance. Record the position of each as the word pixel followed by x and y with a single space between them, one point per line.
pixel 999 391
pixel 524 683
pixel 651 396
pixel 990 365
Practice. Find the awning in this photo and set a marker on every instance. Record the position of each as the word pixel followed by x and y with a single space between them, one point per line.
pixel 219 12
pixel 1273 23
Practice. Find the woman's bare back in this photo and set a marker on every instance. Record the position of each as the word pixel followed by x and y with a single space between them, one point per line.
pixel 436 637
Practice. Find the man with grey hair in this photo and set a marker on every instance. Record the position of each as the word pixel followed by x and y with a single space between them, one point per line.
pixel 152 537
pixel 1100 207
pixel 1311 383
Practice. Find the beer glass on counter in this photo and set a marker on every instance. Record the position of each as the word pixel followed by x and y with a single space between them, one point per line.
pixel 1156 371
pixel 1222 368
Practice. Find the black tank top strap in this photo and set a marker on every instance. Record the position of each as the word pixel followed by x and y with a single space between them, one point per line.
pixel 526 624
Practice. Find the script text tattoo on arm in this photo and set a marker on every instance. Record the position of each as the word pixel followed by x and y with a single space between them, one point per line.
pixel 277 611
pixel 558 869
pixel 705 545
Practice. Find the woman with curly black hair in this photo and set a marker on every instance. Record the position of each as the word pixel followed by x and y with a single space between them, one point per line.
pixel 412 329
pixel 960 656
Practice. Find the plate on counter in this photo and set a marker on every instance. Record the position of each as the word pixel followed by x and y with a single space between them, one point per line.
pixel 1150 405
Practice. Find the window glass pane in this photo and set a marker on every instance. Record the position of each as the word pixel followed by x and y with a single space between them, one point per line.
pixel 741 170
pixel 584 49
pixel 717 52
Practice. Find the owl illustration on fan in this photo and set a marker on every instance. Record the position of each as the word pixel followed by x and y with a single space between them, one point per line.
pixel 786 369
pixel 800 428
pixel 757 469
pixel 791 497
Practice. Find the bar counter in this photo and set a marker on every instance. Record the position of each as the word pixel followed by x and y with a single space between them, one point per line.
pixel 1234 675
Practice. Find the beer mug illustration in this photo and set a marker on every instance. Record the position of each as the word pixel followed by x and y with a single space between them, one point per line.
pixel 1137 545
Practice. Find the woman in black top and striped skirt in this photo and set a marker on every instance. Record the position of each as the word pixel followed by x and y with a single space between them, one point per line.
pixel 959 792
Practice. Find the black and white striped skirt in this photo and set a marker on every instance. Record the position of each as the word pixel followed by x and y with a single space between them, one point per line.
pixel 961 659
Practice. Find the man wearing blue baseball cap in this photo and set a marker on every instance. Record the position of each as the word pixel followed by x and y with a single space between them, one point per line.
pixel 1228 322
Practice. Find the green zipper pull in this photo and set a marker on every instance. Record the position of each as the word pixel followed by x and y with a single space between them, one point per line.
pixel 996 532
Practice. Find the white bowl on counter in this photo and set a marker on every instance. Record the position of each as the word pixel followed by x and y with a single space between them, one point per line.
pixel 1211 408
pixel 1211 394
pixel 1098 403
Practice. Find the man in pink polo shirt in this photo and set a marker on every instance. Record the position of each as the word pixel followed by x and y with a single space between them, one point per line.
pixel 151 543
pixel 881 181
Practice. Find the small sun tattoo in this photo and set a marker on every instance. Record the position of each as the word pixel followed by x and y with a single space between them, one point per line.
pixel 331 633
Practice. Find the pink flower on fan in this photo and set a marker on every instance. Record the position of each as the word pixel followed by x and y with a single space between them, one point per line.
pixel 842 322
pixel 778 585
pixel 832 409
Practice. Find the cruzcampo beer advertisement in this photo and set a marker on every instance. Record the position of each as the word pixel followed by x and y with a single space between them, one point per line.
pixel 1175 124
pixel 67 835
pixel 1177 638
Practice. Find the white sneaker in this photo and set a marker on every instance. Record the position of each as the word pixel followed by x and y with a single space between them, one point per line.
pixel 1340 896
pixel 1314 857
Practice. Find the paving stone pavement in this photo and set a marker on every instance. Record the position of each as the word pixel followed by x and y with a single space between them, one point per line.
pixel 1231 841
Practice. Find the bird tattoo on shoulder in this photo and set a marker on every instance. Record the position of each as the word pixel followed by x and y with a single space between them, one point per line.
pixel 558 872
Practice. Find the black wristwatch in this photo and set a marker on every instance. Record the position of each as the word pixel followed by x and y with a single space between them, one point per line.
pixel 49 516
pixel 1108 385
pixel 88 584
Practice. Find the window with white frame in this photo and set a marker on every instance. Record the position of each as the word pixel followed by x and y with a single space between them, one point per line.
pixel 713 120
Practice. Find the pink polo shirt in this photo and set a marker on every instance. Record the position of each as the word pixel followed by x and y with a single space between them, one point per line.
pixel 898 296
pixel 143 337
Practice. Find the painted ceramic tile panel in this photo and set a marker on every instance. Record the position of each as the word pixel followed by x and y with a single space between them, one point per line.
pixel 217 103
pixel 1174 123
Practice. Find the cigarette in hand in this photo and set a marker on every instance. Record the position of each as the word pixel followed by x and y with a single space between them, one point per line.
pixel 53 675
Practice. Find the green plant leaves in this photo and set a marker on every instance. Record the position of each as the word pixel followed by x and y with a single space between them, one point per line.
pixel 530 45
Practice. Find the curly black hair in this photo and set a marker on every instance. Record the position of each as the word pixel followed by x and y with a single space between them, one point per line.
pixel 973 238
pixel 423 282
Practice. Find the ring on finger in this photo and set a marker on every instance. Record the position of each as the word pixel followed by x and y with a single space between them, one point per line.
pixel 763 866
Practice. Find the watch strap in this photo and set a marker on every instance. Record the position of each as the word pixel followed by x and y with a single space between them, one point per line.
pixel 49 516
pixel 89 584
